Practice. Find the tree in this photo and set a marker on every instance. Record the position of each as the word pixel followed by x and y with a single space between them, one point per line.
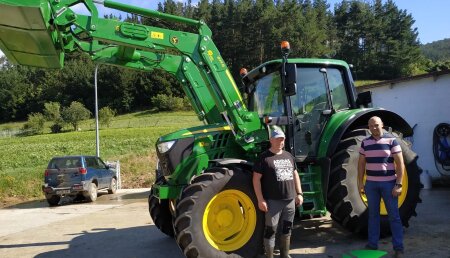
pixel 168 102
pixel 378 39
pixel 52 112
pixel 35 124
pixel 437 50
pixel 105 116
pixel 75 113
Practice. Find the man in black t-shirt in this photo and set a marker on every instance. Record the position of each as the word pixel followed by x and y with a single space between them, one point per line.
pixel 278 189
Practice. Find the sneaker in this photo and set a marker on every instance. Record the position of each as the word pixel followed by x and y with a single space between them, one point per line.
pixel 369 247
pixel 398 253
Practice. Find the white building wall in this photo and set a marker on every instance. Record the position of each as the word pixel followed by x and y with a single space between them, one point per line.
pixel 423 103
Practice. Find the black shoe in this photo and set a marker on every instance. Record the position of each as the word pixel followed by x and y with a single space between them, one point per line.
pixel 369 247
pixel 398 253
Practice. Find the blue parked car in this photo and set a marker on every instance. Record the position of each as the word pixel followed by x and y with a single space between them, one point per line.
pixel 77 176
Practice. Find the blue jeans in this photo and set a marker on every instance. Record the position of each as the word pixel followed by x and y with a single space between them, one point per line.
pixel 374 192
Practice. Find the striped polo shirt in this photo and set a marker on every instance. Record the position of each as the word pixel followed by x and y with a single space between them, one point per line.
pixel 379 160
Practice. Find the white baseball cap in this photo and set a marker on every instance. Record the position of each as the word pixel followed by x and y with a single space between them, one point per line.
pixel 277 133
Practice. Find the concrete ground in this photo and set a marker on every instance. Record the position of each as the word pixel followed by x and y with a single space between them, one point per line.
pixel 119 226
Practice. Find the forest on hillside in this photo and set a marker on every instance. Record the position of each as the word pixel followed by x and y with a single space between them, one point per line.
pixel 438 52
pixel 378 38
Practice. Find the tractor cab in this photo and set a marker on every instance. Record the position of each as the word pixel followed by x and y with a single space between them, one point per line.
pixel 321 89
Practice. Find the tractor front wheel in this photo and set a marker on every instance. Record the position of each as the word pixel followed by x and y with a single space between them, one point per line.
pixel 160 214
pixel 218 216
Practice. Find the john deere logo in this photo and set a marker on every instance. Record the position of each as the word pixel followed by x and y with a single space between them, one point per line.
pixel 365 254
pixel 174 40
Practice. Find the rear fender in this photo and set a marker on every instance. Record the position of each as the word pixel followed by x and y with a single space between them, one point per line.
pixel 343 122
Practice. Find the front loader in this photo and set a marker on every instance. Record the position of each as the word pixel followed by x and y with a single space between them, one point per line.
pixel 203 195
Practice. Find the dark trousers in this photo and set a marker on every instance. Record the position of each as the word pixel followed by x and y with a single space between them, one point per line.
pixel 279 211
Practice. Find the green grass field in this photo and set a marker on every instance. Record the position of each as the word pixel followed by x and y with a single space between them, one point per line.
pixel 130 139
pixel 366 82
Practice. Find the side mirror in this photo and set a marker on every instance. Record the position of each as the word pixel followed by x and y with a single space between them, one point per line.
pixel 364 99
pixel 290 79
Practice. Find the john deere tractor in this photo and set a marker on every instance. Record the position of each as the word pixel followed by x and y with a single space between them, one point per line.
pixel 203 195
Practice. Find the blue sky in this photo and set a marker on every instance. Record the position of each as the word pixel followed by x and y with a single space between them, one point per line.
pixel 432 16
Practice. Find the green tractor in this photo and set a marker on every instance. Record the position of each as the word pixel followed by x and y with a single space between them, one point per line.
pixel 203 195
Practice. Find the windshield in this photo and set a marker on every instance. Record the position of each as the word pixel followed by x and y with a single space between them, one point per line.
pixel 267 98
pixel 65 162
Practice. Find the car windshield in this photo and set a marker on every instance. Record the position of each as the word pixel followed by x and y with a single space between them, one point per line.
pixel 66 162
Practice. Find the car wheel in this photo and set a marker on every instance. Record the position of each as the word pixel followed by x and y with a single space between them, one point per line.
pixel 91 194
pixel 53 200
pixel 113 186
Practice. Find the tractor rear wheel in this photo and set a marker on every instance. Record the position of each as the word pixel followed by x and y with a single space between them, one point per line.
pixel 218 216
pixel 347 205
pixel 160 214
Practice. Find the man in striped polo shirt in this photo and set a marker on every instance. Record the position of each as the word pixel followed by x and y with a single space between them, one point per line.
pixel 382 161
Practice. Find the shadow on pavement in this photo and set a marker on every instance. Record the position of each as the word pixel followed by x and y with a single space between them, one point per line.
pixel 324 237
pixel 28 205
pixel 103 196
pixel 145 241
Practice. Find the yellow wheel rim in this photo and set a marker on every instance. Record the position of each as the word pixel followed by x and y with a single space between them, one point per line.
pixel 229 220
pixel 401 198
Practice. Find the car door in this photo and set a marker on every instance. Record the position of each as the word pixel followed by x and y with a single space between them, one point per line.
pixel 105 172
pixel 103 178
pixel 92 172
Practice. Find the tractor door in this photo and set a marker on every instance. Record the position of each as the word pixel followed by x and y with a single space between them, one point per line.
pixel 320 93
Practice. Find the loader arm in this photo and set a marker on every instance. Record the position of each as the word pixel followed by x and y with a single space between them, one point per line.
pixel 39 33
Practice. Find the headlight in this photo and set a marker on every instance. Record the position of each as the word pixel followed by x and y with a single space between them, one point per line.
pixel 165 146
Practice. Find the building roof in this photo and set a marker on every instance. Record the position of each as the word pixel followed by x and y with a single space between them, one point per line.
pixel 434 75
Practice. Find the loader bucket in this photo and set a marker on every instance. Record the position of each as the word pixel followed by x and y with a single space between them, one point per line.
pixel 25 34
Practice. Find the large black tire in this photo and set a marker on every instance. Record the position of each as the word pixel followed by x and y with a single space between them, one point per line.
pixel 53 200
pixel 92 193
pixel 160 214
pixel 346 205
pixel 218 216
pixel 112 186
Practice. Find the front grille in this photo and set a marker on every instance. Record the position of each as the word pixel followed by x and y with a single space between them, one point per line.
pixel 169 161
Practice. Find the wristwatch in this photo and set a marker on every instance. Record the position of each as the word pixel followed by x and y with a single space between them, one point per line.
pixel 300 194
pixel 398 185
